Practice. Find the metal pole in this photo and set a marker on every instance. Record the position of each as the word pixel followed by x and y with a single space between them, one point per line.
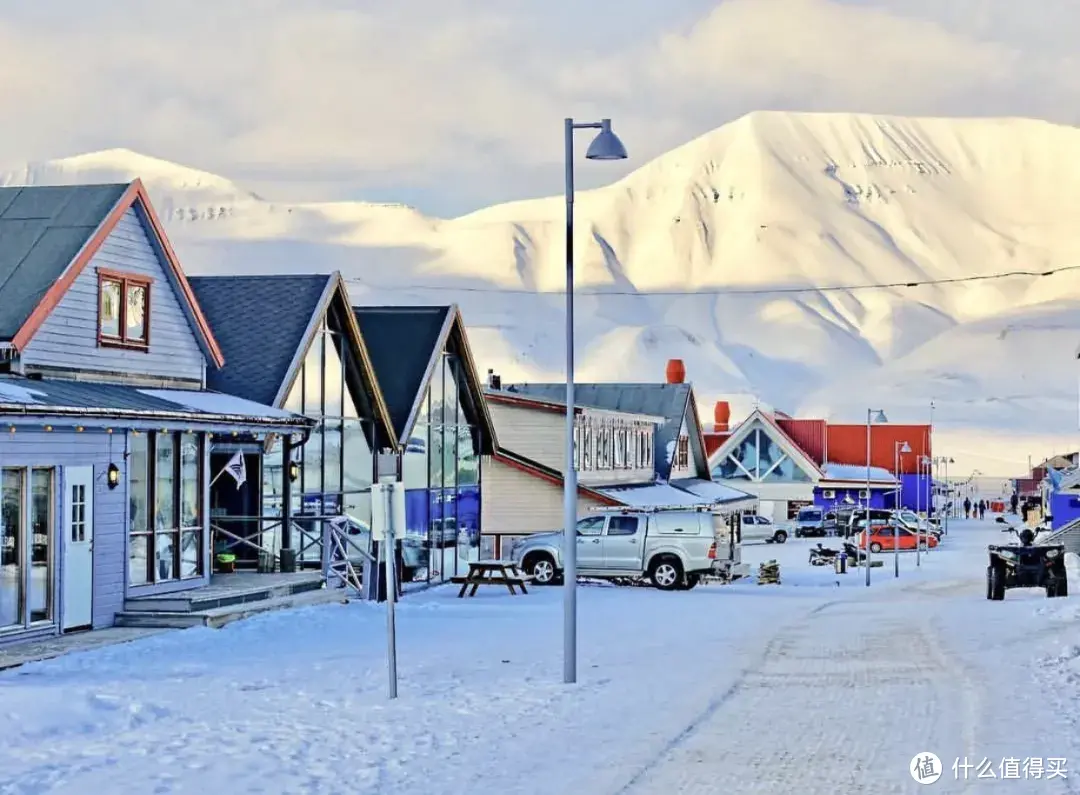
pixel 391 590
pixel 569 469
pixel 867 530
pixel 896 528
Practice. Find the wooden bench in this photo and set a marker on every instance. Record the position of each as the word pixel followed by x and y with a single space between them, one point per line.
pixel 491 572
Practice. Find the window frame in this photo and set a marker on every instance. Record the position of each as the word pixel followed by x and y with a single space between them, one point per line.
pixel 126 282
pixel 682 452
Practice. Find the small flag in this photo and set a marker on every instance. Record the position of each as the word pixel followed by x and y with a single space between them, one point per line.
pixel 238 469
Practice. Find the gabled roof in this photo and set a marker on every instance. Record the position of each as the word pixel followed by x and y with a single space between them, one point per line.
pixel 552 476
pixel 660 400
pixel 266 325
pixel 777 433
pixel 558 406
pixel 48 234
pixel 405 344
pixel 261 323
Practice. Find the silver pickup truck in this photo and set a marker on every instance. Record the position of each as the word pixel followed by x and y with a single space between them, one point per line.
pixel 674 548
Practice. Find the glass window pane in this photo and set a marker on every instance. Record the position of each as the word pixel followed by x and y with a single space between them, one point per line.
pixel 295 401
pixel 109 310
pixel 449 454
pixel 165 482
pixel 437 395
pixel 435 446
pixel 11 535
pixel 312 470
pixel 138 507
pixel 313 370
pixel 190 482
pixel 332 377
pixel 468 462
pixel 423 416
pixel 41 529
pixel 332 466
pixel 190 543
pixel 135 317
pixel 164 556
pixel 414 462
pixel 450 390
pixel 358 472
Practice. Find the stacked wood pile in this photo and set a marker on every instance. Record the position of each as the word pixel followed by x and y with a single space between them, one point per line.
pixel 768 573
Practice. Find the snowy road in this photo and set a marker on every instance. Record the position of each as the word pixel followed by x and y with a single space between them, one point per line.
pixel 818 685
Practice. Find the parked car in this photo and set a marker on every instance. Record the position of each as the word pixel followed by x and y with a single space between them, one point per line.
pixel 810 522
pixel 912 521
pixel 884 538
pixel 674 548
pixel 761 528
pixel 856 520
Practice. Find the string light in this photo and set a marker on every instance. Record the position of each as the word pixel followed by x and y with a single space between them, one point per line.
pixel 48 427
pixel 78 429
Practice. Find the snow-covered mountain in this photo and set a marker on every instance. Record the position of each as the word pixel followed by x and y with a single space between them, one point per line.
pixel 677 258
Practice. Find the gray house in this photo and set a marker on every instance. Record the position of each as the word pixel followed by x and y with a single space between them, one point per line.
pixel 106 422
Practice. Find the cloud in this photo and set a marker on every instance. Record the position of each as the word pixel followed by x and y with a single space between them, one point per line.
pixel 434 94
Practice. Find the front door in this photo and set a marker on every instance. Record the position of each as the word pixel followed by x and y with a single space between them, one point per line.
pixel 78 535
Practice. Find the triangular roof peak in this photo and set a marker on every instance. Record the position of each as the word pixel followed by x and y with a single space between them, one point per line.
pixel 763 419
pixel 49 234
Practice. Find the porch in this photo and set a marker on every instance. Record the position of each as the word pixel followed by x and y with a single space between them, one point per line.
pixel 229 597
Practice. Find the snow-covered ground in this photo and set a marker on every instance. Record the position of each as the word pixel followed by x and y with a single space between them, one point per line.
pixel 727 252
pixel 818 685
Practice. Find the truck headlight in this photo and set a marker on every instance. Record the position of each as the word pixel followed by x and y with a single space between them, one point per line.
pixel 1052 553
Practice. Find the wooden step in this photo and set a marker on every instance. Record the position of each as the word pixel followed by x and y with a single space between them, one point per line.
pixel 216 617
pixel 210 597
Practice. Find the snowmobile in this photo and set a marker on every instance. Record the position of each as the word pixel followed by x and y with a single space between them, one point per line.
pixel 1026 565
pixel 822 555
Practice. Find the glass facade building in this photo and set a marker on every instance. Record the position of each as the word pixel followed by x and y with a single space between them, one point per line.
pixel 441 472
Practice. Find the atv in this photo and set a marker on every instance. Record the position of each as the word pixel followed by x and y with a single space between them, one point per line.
pixel 1025 565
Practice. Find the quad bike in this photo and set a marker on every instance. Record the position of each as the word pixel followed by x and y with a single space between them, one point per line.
pixel 1026 565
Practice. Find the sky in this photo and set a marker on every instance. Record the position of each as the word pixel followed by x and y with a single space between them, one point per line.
pixel 451 105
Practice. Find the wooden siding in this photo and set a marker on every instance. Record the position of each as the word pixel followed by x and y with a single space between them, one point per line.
pixel 516 502
pixel 68 337
pixel 89 448
pixel 536 434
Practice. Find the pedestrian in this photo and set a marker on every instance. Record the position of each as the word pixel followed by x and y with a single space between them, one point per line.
pixel 967 507
pixel 982 509
pixel 1014 500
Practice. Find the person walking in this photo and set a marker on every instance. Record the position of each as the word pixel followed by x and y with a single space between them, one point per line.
pixel 967 507
pixel 982 509
pixel 1014 501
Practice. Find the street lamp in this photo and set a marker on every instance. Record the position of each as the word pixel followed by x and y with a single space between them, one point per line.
pixel 605 146
pixel 872 416
pixel 901 447
pixel 924 466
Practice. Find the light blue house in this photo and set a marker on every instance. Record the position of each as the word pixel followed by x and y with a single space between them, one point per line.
pixel 106 424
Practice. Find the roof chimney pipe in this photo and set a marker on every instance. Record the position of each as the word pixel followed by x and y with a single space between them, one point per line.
pixel 721 416
pixel 676 371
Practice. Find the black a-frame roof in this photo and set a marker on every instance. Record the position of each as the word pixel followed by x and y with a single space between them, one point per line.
pixel 405 343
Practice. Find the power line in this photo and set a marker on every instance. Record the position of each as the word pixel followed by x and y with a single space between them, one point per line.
pixel 832 288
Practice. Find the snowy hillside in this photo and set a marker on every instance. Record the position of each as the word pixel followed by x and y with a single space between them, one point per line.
pixel 770 201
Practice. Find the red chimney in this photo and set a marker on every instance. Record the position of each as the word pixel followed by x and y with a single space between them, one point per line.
pixel 676 371
pixel 721 416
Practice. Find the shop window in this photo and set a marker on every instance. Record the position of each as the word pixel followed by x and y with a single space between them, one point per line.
pixel 166 522
pixel 123 310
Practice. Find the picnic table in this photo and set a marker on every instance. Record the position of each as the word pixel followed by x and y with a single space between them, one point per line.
pixel 491 572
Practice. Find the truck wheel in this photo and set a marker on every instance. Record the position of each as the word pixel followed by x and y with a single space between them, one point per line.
pixel 541 567
pixel 995 583
pixel 666 573
pixel 780 536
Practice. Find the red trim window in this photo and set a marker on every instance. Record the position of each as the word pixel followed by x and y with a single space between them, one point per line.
pixel 123 310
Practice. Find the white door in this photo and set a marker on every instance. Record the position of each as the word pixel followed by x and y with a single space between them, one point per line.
pixel 78 530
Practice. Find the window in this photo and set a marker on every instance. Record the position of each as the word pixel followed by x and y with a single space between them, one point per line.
pixel 165 471
pixel 620 448
pixel 622 526
pixel 26 533
pixel 577 446
pixel 682 456
pixel 123 310
pixel 759 458
pixel 590 526
pixel 587 453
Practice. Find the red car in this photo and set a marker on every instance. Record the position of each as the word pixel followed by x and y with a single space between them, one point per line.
pixel 883 539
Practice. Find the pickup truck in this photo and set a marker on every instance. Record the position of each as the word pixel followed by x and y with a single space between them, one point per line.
pixel 674 548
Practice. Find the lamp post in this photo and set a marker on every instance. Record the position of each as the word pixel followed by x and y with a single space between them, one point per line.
pixel 924 466
pixel 605 146
pixel 948 492
pixel 872 416
pixel 901 447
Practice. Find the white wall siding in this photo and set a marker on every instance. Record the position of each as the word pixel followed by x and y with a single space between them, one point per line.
pixel 90 448
pixel 516 502
pixel 68 337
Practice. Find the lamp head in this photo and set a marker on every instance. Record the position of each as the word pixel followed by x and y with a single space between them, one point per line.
pixel 905 447
pixel 606 145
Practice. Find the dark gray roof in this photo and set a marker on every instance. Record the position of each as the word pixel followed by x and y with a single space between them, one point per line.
pixel 259 322
pixel 42 229
pixel 400 341
pixel 660 400
pixel 45 397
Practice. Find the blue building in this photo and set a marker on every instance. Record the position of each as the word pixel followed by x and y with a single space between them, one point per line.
pixel 108 431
